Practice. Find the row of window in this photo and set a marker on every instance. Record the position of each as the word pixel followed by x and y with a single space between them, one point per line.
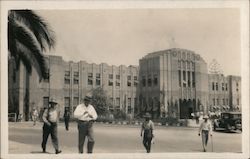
pixel 186 78
pixel 186 65
pixel 215 86
pixel 224 101
pixel 150 81
pixel 98 79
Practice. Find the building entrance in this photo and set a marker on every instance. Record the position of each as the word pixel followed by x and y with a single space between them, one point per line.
pixel 186 108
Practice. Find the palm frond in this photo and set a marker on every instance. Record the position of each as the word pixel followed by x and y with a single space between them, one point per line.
pixel 27 44
pixel 44 35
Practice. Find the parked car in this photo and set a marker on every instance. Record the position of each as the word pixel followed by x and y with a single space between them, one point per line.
pixel 230 121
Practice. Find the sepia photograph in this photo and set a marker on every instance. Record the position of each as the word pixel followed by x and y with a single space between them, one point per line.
pixel 129 79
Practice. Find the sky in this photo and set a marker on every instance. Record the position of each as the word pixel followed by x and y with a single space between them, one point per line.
pixel 123 36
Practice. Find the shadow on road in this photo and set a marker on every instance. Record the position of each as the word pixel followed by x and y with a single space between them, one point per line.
pixel 35 152
pixel 228 132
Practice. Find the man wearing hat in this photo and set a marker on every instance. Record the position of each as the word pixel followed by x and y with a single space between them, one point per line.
pixel 147 128
pixel 86 115
pixel 50 119
pixel 204 131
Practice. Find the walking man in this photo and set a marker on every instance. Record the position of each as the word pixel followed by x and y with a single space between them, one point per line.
pixel 66 118
pixel 50 118
pixel 86 115
pixel 147 128
pixel 204 131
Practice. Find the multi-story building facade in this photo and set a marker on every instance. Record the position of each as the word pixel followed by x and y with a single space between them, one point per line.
pixel 173 82
pixel 69 82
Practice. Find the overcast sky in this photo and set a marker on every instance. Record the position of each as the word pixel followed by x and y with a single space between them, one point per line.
pixel 124 36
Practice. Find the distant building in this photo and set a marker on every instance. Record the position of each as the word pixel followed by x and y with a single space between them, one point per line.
pixel 173 82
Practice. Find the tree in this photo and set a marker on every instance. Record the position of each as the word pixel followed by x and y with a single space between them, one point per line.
pixel 100 100
pixel 28 37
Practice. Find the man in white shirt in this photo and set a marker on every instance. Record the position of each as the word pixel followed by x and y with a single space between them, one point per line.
pixel 204 131
pixel 86 115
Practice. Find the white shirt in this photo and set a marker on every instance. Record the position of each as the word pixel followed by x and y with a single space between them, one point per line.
pixel 51 116
pixel 83 113
pixel 205 126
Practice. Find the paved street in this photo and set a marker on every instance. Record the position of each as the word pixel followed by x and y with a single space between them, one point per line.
pixel 25 138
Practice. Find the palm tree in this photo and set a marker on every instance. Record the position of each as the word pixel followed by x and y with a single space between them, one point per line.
pixel 28 37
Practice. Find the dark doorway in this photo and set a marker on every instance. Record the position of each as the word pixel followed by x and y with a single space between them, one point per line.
pixel 186 108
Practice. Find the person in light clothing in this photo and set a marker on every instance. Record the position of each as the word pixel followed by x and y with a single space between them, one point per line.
pixel 86 115
pixel 204 130
pixel 50 119
pixel 147 131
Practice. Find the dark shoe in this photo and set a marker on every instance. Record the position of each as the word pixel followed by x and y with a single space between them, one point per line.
pixel 44 151
pixel 58 151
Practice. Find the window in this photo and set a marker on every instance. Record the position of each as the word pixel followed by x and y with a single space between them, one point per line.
pixel 217 86
pixel 111 104
pixel 117 76
pixel 110 83
pixel 45 101
pixel 193 78
pixel 218 101
pixel 226 86
pixel 222 86
pixel 213 101
pixel 117 103
pixel 155 80
pixel 110 76
pixel 75 101
pixel 66 101
pixel 67 77
pixel 90 78
pixel 129 106
pixel 179 78
pixel 223 101
pixel 135 78
pixel 227 102
pixel 129 81
pixel 143 81
pixel 188 82
pixel 184 79
pixel 149 80
pixel 98 79
pixel 76 77
pixel 213 86
pixel 118 83
pixel 238 101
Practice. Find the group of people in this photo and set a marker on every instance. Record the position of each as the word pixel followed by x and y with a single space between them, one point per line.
pixel 86 115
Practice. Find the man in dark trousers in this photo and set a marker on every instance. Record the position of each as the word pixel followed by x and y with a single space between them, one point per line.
pixel 66 118
pixel 50 119
pixel 86 115
pixel 147 128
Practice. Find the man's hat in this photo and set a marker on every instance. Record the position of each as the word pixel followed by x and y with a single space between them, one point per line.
pixel 53 101
pixel 87 98
pixel 147 115
pixel 205 117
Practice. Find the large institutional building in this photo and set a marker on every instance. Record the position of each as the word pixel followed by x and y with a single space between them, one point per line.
pixel 172 82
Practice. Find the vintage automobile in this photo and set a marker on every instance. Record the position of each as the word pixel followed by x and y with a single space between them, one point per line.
pixel 229 121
